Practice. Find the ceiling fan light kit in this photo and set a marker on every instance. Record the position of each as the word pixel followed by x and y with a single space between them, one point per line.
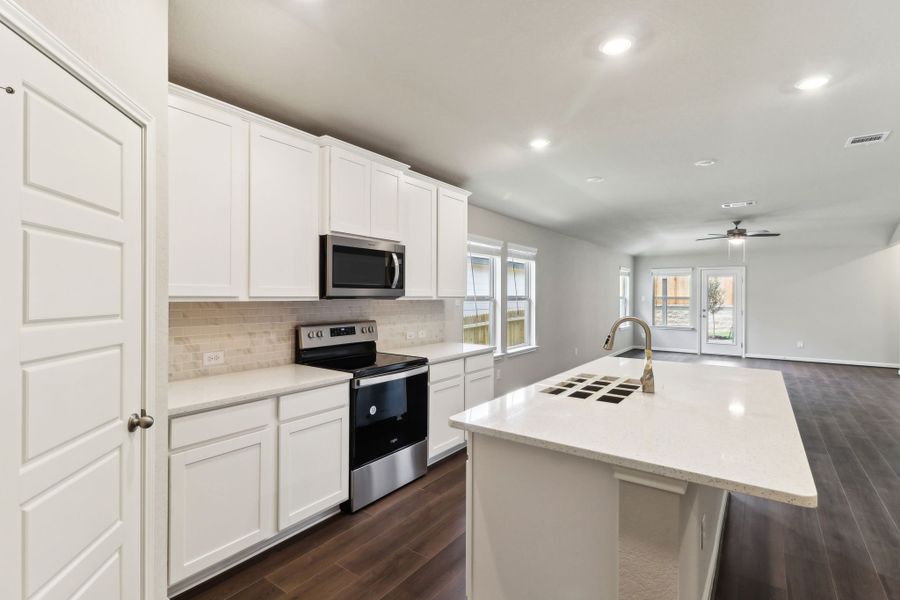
pixel 738 236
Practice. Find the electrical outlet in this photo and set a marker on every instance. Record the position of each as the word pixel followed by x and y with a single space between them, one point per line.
pixel 213 358
pixel 497 374
pixel 410 335
pixel 800 344
pixel 576 350
pixel 421 334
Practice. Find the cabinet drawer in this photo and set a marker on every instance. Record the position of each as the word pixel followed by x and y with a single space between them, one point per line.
pixel 447 370
pixel 314 401
pixel 480 362
pixel 221 422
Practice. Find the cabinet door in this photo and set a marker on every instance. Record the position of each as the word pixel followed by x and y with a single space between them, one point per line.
pixel 208 164
pixel 284 215
pixel 479 388
pixel 385 210
pixel 418 209
pixel 222 500
pixel 314 467
pixel 451 250
pixel 349 192
pixel 445 399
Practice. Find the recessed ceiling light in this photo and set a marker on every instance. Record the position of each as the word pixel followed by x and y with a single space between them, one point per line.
pixel 595 179
pixel 539 143
pixel 707 162
pixel 616 46
pixel 813 82
pixel 739 204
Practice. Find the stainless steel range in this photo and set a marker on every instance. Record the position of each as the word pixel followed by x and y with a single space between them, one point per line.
pixel 388 406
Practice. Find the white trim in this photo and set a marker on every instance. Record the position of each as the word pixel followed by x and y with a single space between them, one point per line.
pixel 478 244
pixel 827 361
pixel 519 350
pixel 521 252
pixel 327 140
pixel 441 184
pixel 624 350
pixel 37 35
pixel 742 269
pixel 681 350
pixel 713 568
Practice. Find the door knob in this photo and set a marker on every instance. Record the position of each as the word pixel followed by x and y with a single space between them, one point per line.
pixel 143 420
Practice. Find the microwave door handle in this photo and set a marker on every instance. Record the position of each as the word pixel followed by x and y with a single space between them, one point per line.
pixel 396 270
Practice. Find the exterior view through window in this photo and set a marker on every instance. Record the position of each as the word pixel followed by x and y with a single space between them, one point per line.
pixel 625 293
pixel 672 299
pixel 479 308
pixel 519 276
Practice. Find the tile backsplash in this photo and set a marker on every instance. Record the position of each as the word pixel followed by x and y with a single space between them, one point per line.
pixel 261 334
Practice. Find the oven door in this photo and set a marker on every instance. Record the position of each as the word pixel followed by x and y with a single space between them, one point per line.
pixel 387 413
pixel 360 268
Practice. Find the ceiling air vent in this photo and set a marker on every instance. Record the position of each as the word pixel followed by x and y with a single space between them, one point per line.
pixel 868 139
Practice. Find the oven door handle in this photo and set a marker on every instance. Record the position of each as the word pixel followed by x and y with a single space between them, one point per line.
pixel 375 380
pixel 396 270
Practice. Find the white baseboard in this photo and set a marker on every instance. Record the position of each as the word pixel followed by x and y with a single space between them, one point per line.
pixel 624 350
pixel 681 350
pixel 828 361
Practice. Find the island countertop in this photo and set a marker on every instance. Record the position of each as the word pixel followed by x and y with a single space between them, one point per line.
pixel 726 427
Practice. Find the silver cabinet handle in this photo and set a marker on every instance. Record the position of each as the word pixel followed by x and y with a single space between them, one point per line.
pixel 396 269
pixel 142 421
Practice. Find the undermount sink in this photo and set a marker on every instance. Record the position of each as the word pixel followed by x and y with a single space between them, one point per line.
pixel 587 386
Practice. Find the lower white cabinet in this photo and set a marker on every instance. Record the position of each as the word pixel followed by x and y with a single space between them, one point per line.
pixel 445 399
pixel 222 500
pixel 479 387
pixel 313 467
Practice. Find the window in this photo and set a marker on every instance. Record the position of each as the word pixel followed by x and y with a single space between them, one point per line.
pixel 672 299
pixel 520 314
pixel 482 281
pixel 625 294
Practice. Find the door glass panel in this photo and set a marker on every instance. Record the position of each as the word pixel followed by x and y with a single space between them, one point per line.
pixel 720 318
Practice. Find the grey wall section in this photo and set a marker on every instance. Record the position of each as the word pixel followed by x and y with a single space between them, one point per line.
pixel 577 299
pixel 842 302
pixel 127 42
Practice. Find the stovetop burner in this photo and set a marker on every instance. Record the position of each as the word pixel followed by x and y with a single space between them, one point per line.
pixel 363 365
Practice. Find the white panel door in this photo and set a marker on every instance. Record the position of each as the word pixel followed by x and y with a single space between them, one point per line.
pixel 722 311
pixel 385 202
pixel 479 388
pixel 222 500
pixel 452 239
pixel 445 399
pixel 314 467
pixel 208 164
pixel 418 210
pixel 71 347
pixel 349 192
pixel 284 215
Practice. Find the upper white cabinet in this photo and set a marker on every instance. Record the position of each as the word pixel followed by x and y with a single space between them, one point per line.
pixel 451 243
pixel 418 209
pixel 348 191
pixel 385 213
pixel 284 203
pixel 208 194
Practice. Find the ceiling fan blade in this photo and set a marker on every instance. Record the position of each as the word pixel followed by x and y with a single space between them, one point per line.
pixel 760 231
pixel 713 237
pixel 762 234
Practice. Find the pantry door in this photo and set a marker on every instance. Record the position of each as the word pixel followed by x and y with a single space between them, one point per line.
pixel 71 255
pixel 722 311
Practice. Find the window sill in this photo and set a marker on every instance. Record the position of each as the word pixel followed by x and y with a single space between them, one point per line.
pixel 520 350
pixel 666 327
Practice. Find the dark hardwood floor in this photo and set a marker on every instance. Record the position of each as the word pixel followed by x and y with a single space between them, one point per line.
pixel 411 544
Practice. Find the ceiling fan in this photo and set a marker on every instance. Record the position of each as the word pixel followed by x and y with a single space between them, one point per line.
pixel 738 234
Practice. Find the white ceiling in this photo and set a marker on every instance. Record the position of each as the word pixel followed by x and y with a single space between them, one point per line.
pixel 457 88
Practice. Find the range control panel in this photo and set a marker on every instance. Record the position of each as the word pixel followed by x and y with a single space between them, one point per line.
pixel 332 334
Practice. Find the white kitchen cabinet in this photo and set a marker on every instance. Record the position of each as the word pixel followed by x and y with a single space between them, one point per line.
pixel 418 208
pixel 445 399
pixel 385 207
pixel 222 500
pixel 284 214
pixel 479 387
pixel 313 465
pixel 348 191
pixel 208 194
pixel 452 243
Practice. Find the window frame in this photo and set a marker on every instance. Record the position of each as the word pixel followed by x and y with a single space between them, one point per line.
pixel 626 273
pixel 528 297
pixel 689 272
pixel 489 251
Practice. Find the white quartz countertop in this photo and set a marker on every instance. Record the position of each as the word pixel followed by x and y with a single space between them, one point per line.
pixel 726 427
pixel 442 352
pixel 205 393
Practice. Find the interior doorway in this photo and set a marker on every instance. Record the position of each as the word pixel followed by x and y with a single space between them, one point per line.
pixel 722 320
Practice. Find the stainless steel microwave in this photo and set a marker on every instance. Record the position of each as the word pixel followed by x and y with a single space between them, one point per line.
pixel 360 268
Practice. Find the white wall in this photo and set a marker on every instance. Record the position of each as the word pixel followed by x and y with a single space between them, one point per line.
pixel 841 302
pixel 127 42
pixel 577 299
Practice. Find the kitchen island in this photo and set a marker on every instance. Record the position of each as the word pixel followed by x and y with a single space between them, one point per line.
pixel 583 486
